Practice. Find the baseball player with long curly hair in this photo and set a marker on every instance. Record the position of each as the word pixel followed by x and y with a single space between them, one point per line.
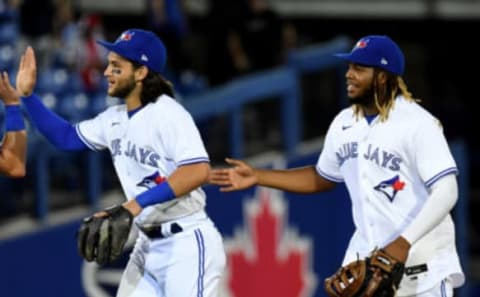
pixel 395 161
pixel 161 162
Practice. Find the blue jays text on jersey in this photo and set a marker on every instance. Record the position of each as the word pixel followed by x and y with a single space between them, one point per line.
pixel 140 154
pixel 376 155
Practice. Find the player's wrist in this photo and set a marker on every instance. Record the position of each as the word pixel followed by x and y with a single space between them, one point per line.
pixel 26 94
pixel 159 194
pixel 258 176
pixel 133 207
pixel 14 118
pixel 398 249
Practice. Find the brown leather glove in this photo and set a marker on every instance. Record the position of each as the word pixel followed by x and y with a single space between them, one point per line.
pixel 377 276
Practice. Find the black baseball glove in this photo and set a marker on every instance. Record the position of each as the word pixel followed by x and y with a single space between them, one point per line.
pixel 102 239
pixel 377 276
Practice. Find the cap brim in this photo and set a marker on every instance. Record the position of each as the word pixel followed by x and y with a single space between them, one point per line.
pixel 344 56
pixel 352 59
pixel 108 45
pixel 113 47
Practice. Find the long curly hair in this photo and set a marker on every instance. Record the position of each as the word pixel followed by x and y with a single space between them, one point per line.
pixel 384 93
pixel 154 85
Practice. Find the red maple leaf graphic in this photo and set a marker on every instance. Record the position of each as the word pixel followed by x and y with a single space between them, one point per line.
pixel 273 264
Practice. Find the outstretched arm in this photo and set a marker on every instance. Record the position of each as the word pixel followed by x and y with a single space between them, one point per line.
pixel 14 145
pixel 242 176
pixel 58 131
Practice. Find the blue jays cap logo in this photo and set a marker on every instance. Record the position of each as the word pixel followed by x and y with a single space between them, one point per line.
pixel 390 187
pixel 362 43
pixel 151 181
pixel 126 36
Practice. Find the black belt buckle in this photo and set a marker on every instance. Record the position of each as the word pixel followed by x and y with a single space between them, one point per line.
pixel 156 231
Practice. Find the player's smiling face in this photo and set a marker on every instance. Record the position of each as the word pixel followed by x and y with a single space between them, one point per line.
pixel 120 76
pixel 359 81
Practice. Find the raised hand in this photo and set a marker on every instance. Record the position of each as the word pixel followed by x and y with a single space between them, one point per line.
pixel 8 94
pixel 238 177
pixel 27 73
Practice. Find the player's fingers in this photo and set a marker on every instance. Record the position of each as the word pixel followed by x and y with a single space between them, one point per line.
pixel 219 173
pixel 5 78
pixel 30 57
pixel 22 62
pixel 222 182
pixel 227 189
pixel 100 214
pixel 2 81
pixel 6 81
pixel 234 162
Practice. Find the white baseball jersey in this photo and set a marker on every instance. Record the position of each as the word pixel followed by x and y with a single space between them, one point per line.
pixel 146 149
pixel 388 168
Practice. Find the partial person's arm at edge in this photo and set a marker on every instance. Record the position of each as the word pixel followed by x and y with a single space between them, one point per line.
pixel 59 132
pixel 184 180
pixel 14 145
pixel 442 199
pixel 303 180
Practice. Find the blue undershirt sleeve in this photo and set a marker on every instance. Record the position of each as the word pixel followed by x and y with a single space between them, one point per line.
pixel 59 132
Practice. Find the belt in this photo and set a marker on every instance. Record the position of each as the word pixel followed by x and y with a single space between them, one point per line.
pixel 161 231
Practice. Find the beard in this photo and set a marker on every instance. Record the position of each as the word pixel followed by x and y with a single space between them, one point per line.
pixel 367 99
pixel 125 90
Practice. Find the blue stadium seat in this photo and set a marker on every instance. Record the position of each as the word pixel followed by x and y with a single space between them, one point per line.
pixel 74 106
pixel 100 101
pixel 58 81
pixel 191 83
pixel 9 32
pixel 8 58
pixel 50 100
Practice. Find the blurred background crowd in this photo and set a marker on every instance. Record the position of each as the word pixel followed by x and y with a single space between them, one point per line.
pixel 213 42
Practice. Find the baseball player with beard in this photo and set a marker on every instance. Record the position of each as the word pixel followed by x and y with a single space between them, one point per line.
pixel 161 162
pixel 395 161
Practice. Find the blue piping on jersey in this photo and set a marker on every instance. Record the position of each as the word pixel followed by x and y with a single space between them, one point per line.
pixel 329 177
pixel 201 262
pixel 193 161
pixel 441 174
pixel 84 140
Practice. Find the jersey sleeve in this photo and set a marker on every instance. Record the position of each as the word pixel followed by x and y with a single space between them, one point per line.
pixel 432 153
pixel 92 132
pixel 182 139
pixel 327 164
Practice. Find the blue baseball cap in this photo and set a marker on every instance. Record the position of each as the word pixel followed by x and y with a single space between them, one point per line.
pixel 377 51
pixel 140 46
